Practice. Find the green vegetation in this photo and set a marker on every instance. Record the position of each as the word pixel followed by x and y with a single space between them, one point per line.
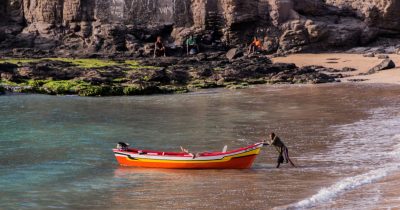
pixel 93 90
pixel 173 89
pixel 64 86
pixel 36 83
pixel 9 83
pixel 83 62
pixel 133 64
pixel 87 62
pixel 119 83
pixel 238 86
pixel 132 90
pixel 218 69
pixel 120 80
pixel 19 60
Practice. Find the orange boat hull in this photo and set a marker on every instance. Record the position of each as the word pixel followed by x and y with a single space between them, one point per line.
pixel 234 163
pixel 236 159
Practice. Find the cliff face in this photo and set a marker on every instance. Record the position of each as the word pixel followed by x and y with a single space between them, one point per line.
pixel 109 26
pixel 384 14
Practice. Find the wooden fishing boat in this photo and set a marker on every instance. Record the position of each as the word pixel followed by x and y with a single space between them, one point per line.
pixel 235 159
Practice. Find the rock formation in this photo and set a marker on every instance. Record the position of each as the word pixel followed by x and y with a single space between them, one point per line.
pixel 109 27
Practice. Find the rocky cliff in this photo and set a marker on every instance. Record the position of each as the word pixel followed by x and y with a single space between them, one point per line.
pixel 87 27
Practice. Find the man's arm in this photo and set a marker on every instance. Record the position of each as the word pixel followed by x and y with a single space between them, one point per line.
pixel 265 142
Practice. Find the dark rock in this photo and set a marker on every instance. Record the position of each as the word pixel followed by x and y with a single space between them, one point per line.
pixel 357 80
pixel 383 56
pixel 93 77
pixel 201 57
pixel 234 53
pixel 370 55
pixel 8 67
pixel 284 66
pixel 204 72
pixel 385 64
pixel 159 62
pixel 159 76
pixel 2 90
pixel 179 76
pixel 147 77
pixel 347 69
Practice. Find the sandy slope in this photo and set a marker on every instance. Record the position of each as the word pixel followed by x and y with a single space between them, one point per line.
pixel 340 60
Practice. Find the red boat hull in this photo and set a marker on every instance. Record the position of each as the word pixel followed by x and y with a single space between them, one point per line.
pixel 237 159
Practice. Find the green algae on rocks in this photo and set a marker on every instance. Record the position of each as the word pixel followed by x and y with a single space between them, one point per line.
pixel 104 77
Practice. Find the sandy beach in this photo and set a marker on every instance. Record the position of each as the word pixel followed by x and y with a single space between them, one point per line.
pixel 340 60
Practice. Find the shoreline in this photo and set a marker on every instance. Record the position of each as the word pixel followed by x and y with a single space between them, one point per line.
pixel 357 61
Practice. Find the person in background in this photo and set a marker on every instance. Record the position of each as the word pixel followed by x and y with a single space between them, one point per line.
pixel 191 45
pixel 254 45
pixel 159 48
pixel 280 148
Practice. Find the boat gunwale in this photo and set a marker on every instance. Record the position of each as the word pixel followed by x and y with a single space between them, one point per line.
pixel 205 156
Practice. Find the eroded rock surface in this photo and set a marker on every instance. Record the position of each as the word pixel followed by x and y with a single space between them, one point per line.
pixel 109 27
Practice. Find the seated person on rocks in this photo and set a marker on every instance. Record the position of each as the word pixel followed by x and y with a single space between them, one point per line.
pixel 159 48
pixel 255 45
pixel 191 45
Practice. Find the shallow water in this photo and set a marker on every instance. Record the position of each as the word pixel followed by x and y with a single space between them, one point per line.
pixel 55 151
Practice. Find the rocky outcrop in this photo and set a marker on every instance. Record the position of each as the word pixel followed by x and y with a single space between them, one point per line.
pixel 377 13
pixel 90 77
pixel 93 27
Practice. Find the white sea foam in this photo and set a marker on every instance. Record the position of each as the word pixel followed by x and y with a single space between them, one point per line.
pixel 329 193
pixel 376 139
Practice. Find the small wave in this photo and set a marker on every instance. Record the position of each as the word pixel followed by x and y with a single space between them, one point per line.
pixel 328 193
pixel 365 141
pixel 360 136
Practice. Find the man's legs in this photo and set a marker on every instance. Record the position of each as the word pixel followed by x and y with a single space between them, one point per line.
pixel 280 158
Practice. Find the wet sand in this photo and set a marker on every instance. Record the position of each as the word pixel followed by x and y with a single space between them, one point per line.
pixel 357 61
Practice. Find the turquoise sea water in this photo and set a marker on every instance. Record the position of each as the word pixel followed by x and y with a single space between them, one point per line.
pixel 55 151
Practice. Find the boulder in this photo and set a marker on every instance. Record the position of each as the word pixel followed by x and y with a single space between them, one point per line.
pixel 316 30
pixel 294 35
pixel 270 44
pixel 385 64
pixel 234 53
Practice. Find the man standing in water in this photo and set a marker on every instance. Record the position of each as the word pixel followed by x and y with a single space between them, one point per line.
pixel 280 148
